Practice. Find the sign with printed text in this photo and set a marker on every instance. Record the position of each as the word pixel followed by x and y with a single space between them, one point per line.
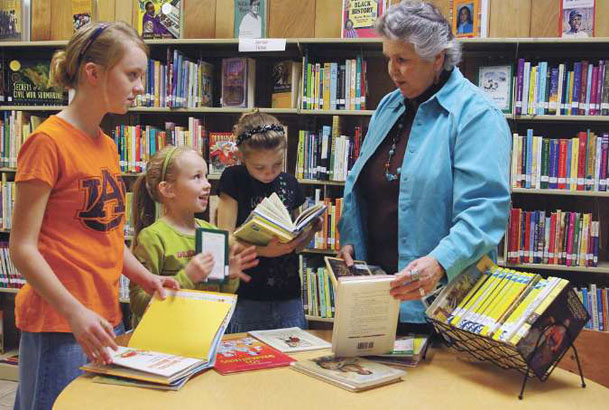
pixel 261 44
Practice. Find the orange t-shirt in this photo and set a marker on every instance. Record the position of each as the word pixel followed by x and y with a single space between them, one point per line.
pixel 81 236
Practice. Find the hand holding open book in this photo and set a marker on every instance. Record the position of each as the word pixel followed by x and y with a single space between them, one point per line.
pixel 271 219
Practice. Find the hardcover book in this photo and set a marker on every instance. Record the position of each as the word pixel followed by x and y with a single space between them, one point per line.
pixel 286 84
pixel 240 354
pixel 238 82
pixel 337 268
pixel 350 373
pixel 359 17
pixel 29 84
pixel 496 83
pixel 576 18
pixel 271 219
pixel 250 18
pixel 159 18
pixel 214 242
pixel 11 20
pixel 290 340
pixel 222 152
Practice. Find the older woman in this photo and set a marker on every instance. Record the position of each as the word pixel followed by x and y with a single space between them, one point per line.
pixel 429 193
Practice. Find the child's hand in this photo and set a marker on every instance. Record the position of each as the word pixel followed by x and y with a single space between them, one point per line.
pixel 154 284
pixel 93 333
pixel 199 267
pixel 275 248
pixel 240 259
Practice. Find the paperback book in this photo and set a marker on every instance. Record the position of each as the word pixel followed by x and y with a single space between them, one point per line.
pixel 350 373
pixel 223 152
pixel 240 354
pixel 29 84
pixel 290 340
pixel 159 18
pixel 359 17
pixel 271 219
pixel 286 84
pixel 11 20
pixel 251 18
pixel 407 351
pixel 337 268
pixel 214 242
pixel 576 18
pixel 82 13
pixel 238 82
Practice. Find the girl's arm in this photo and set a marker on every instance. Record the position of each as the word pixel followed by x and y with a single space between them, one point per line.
pixel 227 219
pixel 137 273
pixel 92 332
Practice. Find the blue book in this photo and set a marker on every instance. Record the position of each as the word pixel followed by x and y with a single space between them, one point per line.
pixel 541 88
pixel 577 73
pixel 333 84
pixel 529 157
pixel 586 302
pixel 553 98
pixel 600 305
pixel 554 163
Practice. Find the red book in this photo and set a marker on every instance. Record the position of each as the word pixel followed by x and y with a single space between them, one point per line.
pixel 581 162
pixel 562 164
pixel 514 235
pixel 571 233
pixel 240 354
pixel 551 248
pixel 528 257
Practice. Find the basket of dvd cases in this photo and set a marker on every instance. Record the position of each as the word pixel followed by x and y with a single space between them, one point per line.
pixel 516 320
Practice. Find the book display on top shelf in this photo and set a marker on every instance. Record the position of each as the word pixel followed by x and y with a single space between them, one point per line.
pixel 83 12
pixel 496 83
pixel 576 18
pixel 359 17
pixel 29 84
pixel 470 18
pixel 529 328
pixel 251 18
pixel 159 18
pixel 11 20
pixel 238 82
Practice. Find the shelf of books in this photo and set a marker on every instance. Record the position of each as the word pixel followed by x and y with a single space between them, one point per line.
pixel 531 191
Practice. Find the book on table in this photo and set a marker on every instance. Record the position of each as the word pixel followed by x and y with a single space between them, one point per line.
pixel 289 340
pixel 271 219
pixel 152 357
pixel 350 373
pixel 407 351
pixel 240 354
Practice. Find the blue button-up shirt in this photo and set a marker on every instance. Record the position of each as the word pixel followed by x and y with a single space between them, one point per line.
pixel 454 185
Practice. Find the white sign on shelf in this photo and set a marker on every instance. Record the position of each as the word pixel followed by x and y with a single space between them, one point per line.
pixel 261 44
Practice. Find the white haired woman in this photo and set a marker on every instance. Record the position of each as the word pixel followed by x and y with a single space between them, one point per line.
pixel 429 194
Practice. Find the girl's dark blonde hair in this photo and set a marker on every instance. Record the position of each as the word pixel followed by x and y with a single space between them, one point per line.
pixel 250 140
pixel 146 187
pixel 105 50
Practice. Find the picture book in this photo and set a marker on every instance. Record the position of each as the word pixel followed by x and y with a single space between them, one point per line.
pixel 222 152
pixel 29 84
pixel 11 20
pixel 496 83
pixel 576 18
pixel 215 242
pixel 286 80
pixel 337 268
pixel 366 316
pixel 238 82
pixel 148 366
pixel 82 13
pixel 271 219
pixel 290 340
pixel 120 381
pixel 153 357
pixel 350 373
pixel 359 17
pixel 159 18
pixel 240 354
pixel 251 18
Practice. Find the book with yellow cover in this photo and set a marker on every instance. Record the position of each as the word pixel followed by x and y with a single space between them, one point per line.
pixel 172 341
pixel 479 301
pixel 272 219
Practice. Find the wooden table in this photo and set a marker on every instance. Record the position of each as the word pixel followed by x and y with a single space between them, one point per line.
pixel 446 380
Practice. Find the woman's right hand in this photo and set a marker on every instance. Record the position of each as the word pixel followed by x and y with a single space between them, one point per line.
pixel 346 253
pixel 93 333
pixel 275 248
pixel 199 267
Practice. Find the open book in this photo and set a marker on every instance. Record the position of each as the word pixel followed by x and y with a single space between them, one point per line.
pixel 172 343
pixel 272 219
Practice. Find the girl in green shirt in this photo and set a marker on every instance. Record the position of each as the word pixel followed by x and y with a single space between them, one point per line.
pixel 176 177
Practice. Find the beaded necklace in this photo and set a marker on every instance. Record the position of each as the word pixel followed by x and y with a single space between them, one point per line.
pixel 392 177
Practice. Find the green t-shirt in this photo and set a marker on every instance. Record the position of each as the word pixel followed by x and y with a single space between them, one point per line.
pixel 166 251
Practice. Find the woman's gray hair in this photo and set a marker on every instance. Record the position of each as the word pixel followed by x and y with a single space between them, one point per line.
pixel 423 25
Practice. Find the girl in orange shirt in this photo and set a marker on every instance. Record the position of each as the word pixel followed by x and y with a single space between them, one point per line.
pixel 67 238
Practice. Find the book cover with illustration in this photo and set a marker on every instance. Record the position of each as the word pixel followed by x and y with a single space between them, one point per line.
pixel 359 17
pixel 238 82
pixel 576 18
pixel 82 13
pixel 251 18
pixel 240 354
pixel 286 80
pixel 29 84
pixel 159 18
pixel 222 152
pixel 290 340
pixel 351 373
pixel 11 20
